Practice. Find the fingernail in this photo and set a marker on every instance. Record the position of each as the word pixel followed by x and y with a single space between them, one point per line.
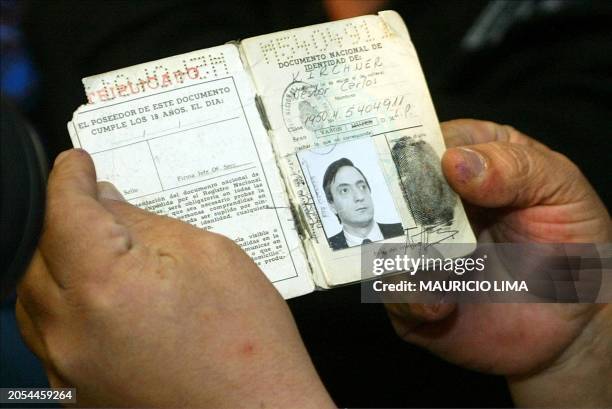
pixel 472 164
pixel 107 190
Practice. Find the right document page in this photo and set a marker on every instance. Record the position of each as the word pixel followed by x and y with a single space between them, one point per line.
pixel 357 139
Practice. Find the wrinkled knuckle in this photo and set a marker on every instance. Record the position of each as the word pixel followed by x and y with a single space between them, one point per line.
pixel 520 163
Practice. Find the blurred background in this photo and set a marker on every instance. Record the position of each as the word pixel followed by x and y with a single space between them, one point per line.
pixel 544 67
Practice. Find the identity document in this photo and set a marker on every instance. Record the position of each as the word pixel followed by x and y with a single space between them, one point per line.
pixel 303 146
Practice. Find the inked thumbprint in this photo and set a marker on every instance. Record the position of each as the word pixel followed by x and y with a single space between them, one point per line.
pixel 430 198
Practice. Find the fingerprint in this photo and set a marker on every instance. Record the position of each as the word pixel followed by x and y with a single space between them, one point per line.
pixel 430 198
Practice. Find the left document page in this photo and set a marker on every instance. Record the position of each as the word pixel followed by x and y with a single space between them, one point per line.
pixel 182 137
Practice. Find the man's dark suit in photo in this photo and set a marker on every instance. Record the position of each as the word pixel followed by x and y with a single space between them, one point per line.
pixel 388 231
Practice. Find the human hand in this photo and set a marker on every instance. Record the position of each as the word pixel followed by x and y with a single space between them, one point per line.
pixel 135 309
pixel 518 190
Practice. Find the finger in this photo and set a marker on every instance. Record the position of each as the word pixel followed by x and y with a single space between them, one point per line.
pixel 503 174
pixel 35 342
pixel 79 233
pixel 406 318
pixel 143 225
pixel 38 291
pixel 108 191
pixel 30 334
pixel 125 213
pixel 55 380
pixel 462 132
pixel 140 222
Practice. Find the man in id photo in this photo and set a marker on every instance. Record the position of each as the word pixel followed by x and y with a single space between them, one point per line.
pixel 350 197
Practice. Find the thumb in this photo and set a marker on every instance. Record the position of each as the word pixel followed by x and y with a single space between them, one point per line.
pixel 107 190
pixel 78 231
pixel 504 174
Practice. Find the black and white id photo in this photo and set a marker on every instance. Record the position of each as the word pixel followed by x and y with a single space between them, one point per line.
pixel 350 194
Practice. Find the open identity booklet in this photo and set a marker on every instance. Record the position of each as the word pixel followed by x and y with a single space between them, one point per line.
pixel 305 146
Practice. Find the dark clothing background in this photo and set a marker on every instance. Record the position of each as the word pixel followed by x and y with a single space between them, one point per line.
pixel 550 76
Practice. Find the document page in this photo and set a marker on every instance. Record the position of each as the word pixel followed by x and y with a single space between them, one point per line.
pixel 358 140
pixel 182 137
